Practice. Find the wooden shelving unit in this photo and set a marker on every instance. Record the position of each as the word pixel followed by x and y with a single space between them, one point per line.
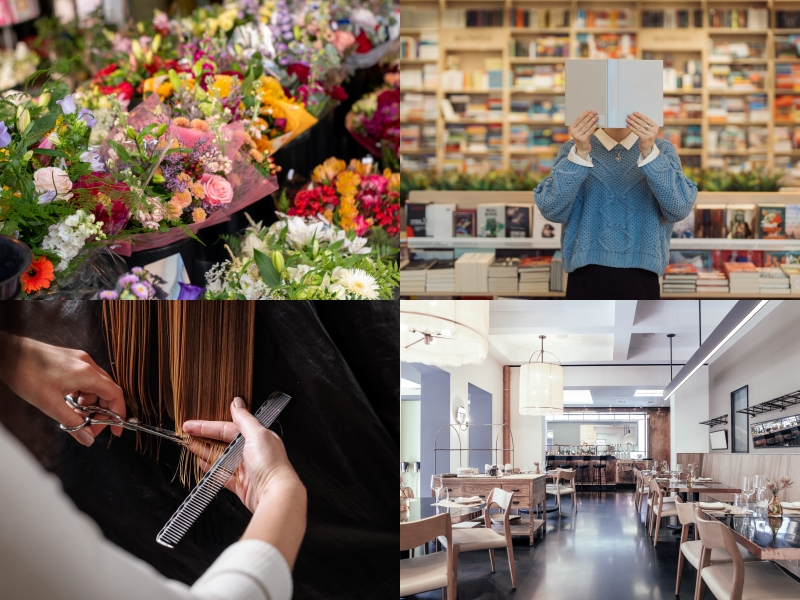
pixel 695 41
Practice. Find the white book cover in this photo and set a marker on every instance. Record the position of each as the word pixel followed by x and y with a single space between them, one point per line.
pixel 491 220
pixel 615 88
pixel 439 220
pixel 544 230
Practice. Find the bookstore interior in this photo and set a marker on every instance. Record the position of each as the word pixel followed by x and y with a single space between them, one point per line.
pixel 483 116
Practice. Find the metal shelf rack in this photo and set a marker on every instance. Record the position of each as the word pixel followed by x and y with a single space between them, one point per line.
pixel 780 403
pixel 723 420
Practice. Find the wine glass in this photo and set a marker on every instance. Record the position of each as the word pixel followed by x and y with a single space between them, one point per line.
pixel 760 485
pixel 747 488
pixel 436 486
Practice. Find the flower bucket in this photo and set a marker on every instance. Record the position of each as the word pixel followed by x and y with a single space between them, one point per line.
pixel 184 246
pixel 15 257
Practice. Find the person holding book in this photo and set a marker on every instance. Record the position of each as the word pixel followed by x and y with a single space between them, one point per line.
pixel 618 201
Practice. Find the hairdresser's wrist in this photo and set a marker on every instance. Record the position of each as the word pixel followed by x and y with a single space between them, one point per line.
pixel 280 517
pixel 281 481
pixel 10 345
pixel 582 150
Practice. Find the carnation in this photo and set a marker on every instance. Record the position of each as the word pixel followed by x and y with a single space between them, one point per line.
pixel 69 236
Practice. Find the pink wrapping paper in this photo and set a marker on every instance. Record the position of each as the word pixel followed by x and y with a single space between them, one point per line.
pixel 249 185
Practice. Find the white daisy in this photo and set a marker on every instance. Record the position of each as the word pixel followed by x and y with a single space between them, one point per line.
pixel 359 282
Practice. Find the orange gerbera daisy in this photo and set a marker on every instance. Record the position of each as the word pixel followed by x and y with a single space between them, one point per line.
pixel 38 276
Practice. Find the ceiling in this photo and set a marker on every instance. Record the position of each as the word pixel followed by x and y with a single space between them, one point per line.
pixel 604 333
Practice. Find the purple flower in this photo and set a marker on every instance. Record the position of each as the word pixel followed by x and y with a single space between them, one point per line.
pixel 87 117
pixel 127 279
pixel 108 295
pixel 189 292
pixel 140 290
pixel 137 270
pixel 47 197
pixel 67 105
pixel 5 137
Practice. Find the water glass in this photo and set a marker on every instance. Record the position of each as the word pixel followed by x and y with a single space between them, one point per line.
pixel 436 486
pixel 747 488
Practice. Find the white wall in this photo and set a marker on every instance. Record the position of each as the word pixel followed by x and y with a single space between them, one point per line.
pixel 529 432
pixel 409 438
pixel 688 407
pixel 767 360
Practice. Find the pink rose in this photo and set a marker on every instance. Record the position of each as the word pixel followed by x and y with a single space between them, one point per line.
pixel 218 189
pixel 342 40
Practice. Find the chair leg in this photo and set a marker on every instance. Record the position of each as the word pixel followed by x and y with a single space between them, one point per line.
pixel 558 497
pixel 655 538
pixel 452 588
pixel 680 572
pixel 511 564
pixel 699 586
pixel 574 503
pixel 491 558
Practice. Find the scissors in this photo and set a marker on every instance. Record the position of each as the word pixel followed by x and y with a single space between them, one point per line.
pixel 117 421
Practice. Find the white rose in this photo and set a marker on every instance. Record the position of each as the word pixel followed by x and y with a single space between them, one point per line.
pixel 53 179
pixel 252 242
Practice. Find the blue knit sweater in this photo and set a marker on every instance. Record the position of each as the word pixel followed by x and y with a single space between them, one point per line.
pixel 616 214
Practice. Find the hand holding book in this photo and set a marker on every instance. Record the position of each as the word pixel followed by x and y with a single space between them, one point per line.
pixel 646 129
pixel 581 131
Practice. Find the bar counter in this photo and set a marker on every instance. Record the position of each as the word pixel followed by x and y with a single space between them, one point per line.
pixel 618 470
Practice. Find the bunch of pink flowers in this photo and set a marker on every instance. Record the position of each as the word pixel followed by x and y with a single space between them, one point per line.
pixel 776 486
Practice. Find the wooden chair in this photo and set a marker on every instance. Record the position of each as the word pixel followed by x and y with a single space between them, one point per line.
pixel 558 489
pixel 737 580
pixel 485 538
pixel 432 571
pixel 691 549
pixel 660 510
pixel 409 492
pixel 652 485
pixel 642 490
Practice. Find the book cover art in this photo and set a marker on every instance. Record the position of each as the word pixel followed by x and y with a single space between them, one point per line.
pixel 720 257
pixel 415 219
pixel 491 220
pixel 776 259
pixel 544 230
pixel 464 223
pixel 740 222
pixel 772 222
pixel 709 222
pixel 685 228
pixel 518 220
pixel 701 259
pixel 739 267
pixel 535 261
pixel 792 214
pixel 681 269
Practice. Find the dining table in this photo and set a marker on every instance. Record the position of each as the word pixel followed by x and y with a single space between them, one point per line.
pixel 767 537
pixel 693 491
pixel 422 508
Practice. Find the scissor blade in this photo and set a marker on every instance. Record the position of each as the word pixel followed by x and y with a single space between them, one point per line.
pixel 158 431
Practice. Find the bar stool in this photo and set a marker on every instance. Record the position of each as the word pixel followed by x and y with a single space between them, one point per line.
pixel 600 474
pixel 566 463
pixel 582 477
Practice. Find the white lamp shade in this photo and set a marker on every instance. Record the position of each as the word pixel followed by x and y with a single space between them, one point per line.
pixel 541 389
pixel 459 330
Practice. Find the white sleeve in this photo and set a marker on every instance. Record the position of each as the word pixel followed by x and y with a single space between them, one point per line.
pixel 650 157
pixel 573 157
pixel 49 549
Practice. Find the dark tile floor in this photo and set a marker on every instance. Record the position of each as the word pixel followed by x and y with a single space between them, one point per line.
pixel 602 553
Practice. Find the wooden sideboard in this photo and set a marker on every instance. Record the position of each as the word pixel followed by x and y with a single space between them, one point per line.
pixel 529 493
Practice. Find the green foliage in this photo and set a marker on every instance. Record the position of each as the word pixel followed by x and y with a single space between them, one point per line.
pixel 756 180
pixel 455 181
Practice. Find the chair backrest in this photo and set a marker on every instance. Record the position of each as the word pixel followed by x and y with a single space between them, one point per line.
pixel 565 474
pixel 685 511
pixel 409 492
pixel 416 533
pixel 714 534
pixel 498 498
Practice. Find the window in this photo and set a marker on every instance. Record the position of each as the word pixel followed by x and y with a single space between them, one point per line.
pixel 741 421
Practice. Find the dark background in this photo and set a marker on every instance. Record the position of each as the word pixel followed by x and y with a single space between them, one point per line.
pixel 338 361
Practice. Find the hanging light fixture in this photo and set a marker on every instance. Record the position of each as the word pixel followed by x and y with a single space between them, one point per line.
pixel 444 333
pixel 541 386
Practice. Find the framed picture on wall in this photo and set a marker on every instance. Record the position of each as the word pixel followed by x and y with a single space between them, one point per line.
pixel 741 421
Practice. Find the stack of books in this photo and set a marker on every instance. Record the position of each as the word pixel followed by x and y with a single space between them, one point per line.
pixel 534 274
pixel 793 273
pixel 680 278
pixel 772 280
pixel 743 277
pixel 712 282
pixel 503 275
pixel 472 271
pixel 558 276
pixel 413 276
pixel 441 277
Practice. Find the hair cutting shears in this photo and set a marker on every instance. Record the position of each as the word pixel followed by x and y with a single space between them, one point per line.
pixel 117 421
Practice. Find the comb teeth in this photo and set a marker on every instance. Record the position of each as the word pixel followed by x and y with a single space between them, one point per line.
pixel 217 476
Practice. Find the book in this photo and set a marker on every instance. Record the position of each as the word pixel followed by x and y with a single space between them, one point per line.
pixel 772 222
pixel 792 214
pixel 504 268
pixel 615 88
pixel 685 228
pixel 518 220
pixel 710 221
pixel 415 218
pixel 491 220
pixel 465 223
pixel 711 278
pixel 740 221
pixel 544 229
pixel 439 220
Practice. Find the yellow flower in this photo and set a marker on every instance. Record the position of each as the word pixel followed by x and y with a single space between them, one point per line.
pixel 359 167
pixel 165 90
pixel 256 155
pixel 271 87
pixel 222 85
pixel 227 19
pixel 182 199
pixel 198 215
pixel 327 171
pixel 394 180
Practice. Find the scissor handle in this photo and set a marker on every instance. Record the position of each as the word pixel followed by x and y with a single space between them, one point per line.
pixel 89 411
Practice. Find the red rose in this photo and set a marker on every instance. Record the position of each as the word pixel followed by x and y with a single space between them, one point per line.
pixel 124 90
pixel 302 71
pixel 337 93
pixel 389 97
pixel 363 43
pixel 114 217
pixel 105 71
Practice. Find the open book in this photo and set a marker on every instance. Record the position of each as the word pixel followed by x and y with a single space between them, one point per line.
pixel 615 89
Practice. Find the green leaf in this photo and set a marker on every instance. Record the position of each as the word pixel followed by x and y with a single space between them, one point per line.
pixel 174 80
pixel 145 131
pixel 41 125
pixel 336 245
pixel 121 152
pixel 48 152
pixel 266 269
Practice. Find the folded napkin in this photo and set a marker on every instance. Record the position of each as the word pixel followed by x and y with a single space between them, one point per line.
pixel 711 505
pixel 791 505
pixel 468 500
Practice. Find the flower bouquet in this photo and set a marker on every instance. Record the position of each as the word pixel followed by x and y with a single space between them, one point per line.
pixel 300 258
pixel 186 174
pixel 352 197
pixel 776 487
pixel 374 120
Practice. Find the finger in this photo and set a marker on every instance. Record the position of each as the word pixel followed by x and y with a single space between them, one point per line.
pixel 580 118
pixel 215 430
pixel 65 415
pixel 93 400
pixel 96 381
pixel 248 425
pixel 638 121
pixel 646 119
pixel 591 125
pixel 586 120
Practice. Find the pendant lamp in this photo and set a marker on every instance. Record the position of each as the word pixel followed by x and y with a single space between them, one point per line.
pixel 444 333
pixel 541 386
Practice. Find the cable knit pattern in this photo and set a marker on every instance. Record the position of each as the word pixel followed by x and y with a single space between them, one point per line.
pixel 616 214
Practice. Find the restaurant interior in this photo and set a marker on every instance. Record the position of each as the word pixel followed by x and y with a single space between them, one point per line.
pixel 603 449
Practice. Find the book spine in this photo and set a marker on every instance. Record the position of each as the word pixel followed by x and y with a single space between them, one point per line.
pixel 613 119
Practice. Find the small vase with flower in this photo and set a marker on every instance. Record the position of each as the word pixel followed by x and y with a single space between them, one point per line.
pixel 538 472
pixel 774 508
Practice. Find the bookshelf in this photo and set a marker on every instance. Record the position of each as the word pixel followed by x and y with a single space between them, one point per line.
pixel 749 129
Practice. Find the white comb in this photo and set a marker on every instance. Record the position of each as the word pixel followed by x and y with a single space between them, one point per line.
pixel 216 477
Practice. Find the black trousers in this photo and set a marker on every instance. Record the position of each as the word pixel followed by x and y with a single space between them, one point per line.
pixel 596 282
